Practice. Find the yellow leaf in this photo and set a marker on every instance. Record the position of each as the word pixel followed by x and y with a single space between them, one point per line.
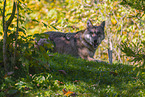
pixel 124 32
pixel 113 21
pixel 68 93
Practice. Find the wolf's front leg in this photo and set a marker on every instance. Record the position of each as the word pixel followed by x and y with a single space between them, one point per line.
pixel 92 59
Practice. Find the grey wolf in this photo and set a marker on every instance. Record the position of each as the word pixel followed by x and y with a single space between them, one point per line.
pixel 80 44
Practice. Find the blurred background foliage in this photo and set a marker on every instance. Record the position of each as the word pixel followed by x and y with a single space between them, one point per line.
pixel 125 22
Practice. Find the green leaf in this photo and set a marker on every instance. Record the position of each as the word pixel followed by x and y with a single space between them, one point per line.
pixel 1 33
pixel 54 27
pixel 44 24
pixel 23 27
pixel 35 20
pixel 23 30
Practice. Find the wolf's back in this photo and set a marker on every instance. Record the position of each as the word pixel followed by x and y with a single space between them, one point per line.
pixel 53 35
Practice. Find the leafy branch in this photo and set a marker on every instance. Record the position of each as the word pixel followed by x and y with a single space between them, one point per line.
pixel 134 50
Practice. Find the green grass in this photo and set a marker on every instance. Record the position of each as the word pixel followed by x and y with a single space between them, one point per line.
pixel 92 79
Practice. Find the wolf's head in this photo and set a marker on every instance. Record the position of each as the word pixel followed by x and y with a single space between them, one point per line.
pixel 94 34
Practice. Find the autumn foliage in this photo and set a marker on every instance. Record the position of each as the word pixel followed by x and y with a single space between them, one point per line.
pixel 37 72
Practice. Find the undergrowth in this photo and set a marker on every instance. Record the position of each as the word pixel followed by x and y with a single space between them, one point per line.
pixel 69 76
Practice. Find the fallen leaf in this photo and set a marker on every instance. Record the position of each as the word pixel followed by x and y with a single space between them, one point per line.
pixel 68 93
pixel 76 81
pixel 16 67
pixel 73 94
pixel 27 88
pixel 64 91
pixel 59 82
pixel 10 73
pixel 62 72
pixel 114 73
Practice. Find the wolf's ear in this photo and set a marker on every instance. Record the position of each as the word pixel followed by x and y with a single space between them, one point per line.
pixel 89 24
pixel 103 24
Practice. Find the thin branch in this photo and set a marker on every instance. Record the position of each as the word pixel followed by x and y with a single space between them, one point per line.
pixel 8 22
pixel 4 15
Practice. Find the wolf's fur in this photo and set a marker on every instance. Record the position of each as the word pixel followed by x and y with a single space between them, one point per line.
pixel 80 44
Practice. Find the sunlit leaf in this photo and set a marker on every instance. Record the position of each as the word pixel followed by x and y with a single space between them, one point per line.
pixel 22 30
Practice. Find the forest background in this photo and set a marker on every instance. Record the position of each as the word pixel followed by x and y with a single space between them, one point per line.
pixel 123 22
pixel 124 29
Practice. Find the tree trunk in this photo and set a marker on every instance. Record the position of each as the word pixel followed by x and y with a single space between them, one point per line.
pixel 16 34
pixel 5 29
pixel 4 39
